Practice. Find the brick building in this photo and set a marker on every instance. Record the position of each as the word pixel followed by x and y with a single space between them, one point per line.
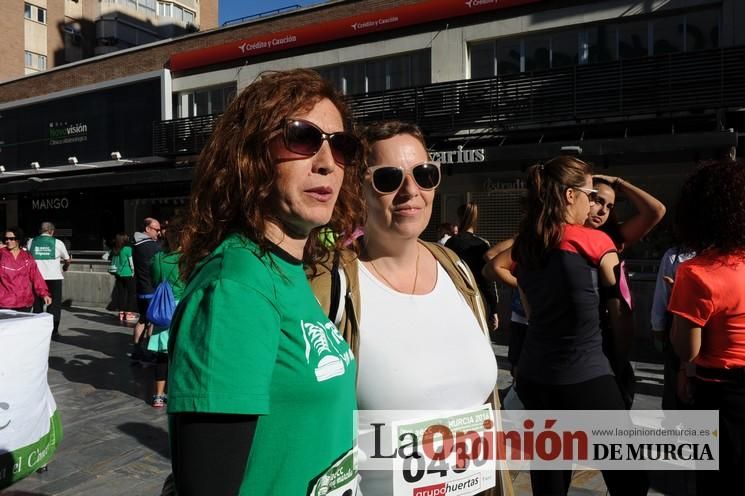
pixel 41 34
pixel 645 90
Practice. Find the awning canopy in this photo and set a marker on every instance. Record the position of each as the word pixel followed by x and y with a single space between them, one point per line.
pixel 141 170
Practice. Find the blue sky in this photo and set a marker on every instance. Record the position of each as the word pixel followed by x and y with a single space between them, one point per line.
pixel 233 9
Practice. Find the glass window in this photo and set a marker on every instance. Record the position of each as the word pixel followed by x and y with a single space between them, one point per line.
pixel 421 68
pixel 178 13
pixel 702 30
pixel 27 11
pixel 633 40
pixel 332 75
pixel 509 57
pixel 375 71
pixel 399 72
pixel 352 79
pixel 132 4
pixel 41 15
pixel 564 49
pixel 29 59
pixel 188 17
pixel 668 35
pixel 164 9
pixel 42 62
pixel 483 61
pixel 537 54
pixel 601 44
pixel 202 102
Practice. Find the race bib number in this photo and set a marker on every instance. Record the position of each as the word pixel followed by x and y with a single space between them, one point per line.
pixel 448 461
pixel 340 479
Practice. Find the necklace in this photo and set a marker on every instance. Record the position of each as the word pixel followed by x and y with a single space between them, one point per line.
pixel 416 274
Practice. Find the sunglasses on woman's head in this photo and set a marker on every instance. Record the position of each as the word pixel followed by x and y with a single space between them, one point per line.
pixel 389 178
pixel 305 138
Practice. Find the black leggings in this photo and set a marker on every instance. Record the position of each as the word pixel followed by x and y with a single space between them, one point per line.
pixel 161 366
pixel 729 399
pixel 600 393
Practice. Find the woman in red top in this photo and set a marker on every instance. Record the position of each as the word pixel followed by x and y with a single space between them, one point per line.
pixel 19 276
pixel 561 268
pixel 708 307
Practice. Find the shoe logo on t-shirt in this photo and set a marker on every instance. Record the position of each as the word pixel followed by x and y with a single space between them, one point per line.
pixel 322 352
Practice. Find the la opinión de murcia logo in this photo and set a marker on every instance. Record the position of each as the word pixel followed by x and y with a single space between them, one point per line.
pixel 257 45
pixel 448 446
pixel 374 23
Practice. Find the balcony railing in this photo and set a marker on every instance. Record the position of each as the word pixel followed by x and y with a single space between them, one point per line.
pixel 680 83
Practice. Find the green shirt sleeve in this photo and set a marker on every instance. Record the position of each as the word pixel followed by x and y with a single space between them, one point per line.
pixel 156 274
pixel 224 351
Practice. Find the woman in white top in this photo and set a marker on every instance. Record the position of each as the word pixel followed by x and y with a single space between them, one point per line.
pixel 418 326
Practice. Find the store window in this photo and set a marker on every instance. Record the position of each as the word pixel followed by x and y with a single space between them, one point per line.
pixel 702 30
pixel 633 40
pixel 668 35
pixel 592 44
pixel 398 71
pixel 564 49
pixel 483 60
pixel 205 101
pixel 509 57
pixel 537 54
pixel 601 44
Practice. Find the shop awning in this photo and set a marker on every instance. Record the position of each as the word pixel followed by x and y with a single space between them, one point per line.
pixel 141 170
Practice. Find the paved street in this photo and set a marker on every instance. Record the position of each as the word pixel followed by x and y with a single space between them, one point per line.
pixel 116 444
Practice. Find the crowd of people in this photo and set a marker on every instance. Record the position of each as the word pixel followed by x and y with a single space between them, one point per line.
pixel 138 268
pixel 31 272
pixel 402 323
pixel 305 293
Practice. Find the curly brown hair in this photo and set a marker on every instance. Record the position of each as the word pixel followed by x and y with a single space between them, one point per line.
pixel 711 209
pixel 542 225
pixel 235 176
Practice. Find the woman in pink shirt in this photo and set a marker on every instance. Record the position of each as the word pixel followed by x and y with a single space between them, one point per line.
pixel 20 278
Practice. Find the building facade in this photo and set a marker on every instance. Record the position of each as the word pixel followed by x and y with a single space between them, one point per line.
pixel 41 34
pixel 644 90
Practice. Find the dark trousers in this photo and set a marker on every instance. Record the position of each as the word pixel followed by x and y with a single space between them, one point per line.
pixel 124 297
pixel 601 393
pixel 55 291
pixel 729 399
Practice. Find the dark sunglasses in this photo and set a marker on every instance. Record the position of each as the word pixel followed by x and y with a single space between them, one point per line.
pixel 10 239
pixel 389 178
pixel 305 138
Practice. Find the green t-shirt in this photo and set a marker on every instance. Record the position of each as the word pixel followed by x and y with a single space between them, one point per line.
pixel 121 261
pixel 249 337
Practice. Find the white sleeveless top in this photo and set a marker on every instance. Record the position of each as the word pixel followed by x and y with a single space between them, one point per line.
pixel 418 352
pixel 421 352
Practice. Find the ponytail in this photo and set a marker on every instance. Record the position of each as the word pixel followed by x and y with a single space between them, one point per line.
pixel 542 225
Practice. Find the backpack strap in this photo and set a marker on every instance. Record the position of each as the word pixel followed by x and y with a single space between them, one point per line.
pixel 463 279
pixel 337 290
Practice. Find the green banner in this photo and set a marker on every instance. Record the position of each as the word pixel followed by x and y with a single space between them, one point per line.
pixel 24 461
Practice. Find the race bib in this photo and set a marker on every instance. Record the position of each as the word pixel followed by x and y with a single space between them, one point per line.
pixel 340 479
pixel 455 469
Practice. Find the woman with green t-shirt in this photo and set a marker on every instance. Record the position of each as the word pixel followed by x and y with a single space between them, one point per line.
pixel 121 266
pixel 261 386
pixel 165 268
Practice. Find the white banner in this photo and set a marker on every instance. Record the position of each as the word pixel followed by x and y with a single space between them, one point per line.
pixel 30 430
